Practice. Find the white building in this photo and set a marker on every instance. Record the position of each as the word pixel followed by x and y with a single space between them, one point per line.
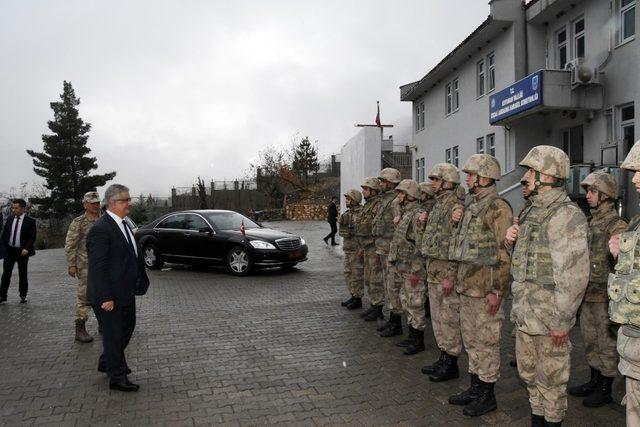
pixel 557 72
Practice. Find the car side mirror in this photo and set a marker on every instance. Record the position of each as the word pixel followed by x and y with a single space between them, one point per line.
pixel 207 230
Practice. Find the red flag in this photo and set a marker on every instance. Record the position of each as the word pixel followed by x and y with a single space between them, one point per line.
pixel 242 227
pixel 378 123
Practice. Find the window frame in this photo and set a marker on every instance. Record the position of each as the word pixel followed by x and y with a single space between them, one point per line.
pixel 622 11
pixel 623 124
pixel 480 146
pixel 562 45
pixel 455 155
pixel 577 35
pixel 481 78
pixel 455 84
pixel 490 144
pixel 491 72
pixel 447 155
pixel 448 99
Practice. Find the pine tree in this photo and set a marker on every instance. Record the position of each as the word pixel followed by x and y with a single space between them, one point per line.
pixel 65 163
pixel 305 160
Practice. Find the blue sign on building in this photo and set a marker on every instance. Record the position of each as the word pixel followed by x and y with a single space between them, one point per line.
pixel 521 96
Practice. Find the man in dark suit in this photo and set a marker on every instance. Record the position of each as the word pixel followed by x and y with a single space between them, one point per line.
pixel 18 238
pixel 332 219
pixel 116 275
pixel 3 251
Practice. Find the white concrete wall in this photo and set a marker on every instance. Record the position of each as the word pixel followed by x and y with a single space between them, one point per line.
pixel 360 158
pixel 471 121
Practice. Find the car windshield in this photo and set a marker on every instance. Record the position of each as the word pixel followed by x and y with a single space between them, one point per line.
pixel 229 220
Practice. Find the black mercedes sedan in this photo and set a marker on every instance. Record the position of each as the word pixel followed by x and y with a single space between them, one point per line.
pixel 218 237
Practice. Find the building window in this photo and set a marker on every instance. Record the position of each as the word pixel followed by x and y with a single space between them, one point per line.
pixel 491 68
pixel 454 156
pixel 422 170
pixel 480 145
pixel 448 99
pixel 627 19
pixel 480 79
pixel 456 95
pixel 578 38
pixel 447 155
pixel 419 119
pixel 627 126
pixel 491 144
pixel 561 49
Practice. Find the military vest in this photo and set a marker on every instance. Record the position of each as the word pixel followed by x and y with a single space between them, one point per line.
pixel 624 285
pixel 402 240
pixel 599 255
pixel 531 259
pixel 438 232
pixel 474 242
pixel 383 222
pixel 364 225
pixel 345 225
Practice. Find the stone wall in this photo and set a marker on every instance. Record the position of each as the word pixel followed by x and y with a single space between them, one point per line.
pixel 306 212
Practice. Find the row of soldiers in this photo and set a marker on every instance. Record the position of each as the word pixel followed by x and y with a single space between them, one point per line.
pixel 429 242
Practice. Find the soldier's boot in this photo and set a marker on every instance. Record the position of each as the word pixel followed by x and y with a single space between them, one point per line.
pixel 81 332
pixel 550 424
pixel 356 303
pixel 587 388
pixel 375 314
pixel 388 323
pixel 427 308
pixel 394 326
pixel 430 369
pixel 484 403
pixel 417 345
pixel 448 370
pixel 537 420
pixel 347 302
pixel 366 312
pixel 601 395
pixel 465 397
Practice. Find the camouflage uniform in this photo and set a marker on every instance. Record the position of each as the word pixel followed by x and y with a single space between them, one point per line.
pixel 383 229
pixel 76 254
pixel 371 260
pixel 353 268
pixel 624 307
pixel 599 342
pixel 439 229
pixel 550 268
pixel 483 269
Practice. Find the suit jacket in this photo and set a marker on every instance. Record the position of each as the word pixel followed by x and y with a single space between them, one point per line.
pixel 115 273
pixel 3 251
pixel 332 212
pixel 27 234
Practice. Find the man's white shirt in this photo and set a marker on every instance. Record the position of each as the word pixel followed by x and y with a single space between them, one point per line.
pixel 120 222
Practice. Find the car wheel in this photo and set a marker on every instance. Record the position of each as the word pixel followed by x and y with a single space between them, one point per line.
pixel 152 258
pixel 239 261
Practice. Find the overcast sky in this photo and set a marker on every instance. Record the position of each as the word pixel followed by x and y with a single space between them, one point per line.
pixel 177 89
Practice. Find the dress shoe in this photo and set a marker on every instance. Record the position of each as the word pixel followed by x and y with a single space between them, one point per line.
pixel 355 304
pixel 125 386
pixel 347 302
pixel 326 241
pixel 3 299
pixel 23 300
pixel 335 244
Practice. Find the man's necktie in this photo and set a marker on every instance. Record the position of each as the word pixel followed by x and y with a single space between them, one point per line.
pixel 126 231
pixel 15 231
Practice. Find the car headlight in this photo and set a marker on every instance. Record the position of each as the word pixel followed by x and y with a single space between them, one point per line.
pixel 261 244
pixel 302 242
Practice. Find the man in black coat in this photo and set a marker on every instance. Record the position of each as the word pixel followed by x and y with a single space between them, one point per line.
pixel 3 251
pixel 332 219
pixel 18 238
pixel 116 275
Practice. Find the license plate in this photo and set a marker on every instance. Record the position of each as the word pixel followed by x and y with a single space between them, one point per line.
pixel 295 254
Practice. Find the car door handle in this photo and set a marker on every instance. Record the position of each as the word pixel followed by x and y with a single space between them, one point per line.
pixel 186 234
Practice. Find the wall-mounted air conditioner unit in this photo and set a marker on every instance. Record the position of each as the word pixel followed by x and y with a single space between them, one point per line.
pixel 581 73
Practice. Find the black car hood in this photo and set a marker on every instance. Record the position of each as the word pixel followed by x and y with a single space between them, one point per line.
pixel 264 233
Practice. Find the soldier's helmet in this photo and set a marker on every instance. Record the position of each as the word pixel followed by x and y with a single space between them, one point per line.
pixel 354 195
pixel 410 187
pixel 390 174
pixel 91 197
pixel 548 160
pixel 603 182
pixel 484 165
pixel 427 187
pixel 446 172
pixel 632 161
pixel 371 182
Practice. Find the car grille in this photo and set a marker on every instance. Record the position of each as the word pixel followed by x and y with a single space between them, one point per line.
pixel 288 244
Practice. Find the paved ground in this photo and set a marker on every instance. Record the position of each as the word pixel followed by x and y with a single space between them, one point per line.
pixel 274 348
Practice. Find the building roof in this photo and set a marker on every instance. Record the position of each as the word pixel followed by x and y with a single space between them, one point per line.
pixel 479 38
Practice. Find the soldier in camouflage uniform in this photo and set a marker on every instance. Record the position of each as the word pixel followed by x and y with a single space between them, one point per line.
pixel 550 269
pixel 406 259
pixel 442 272
pixel 600 344
pixel 426 204
pixel 383 228
pixel 353 272
pixel 371 260
pixel 483 280
pixel 76 253
pixel 624 291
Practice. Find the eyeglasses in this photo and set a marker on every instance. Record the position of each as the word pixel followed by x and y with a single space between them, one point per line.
pixel 128 199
